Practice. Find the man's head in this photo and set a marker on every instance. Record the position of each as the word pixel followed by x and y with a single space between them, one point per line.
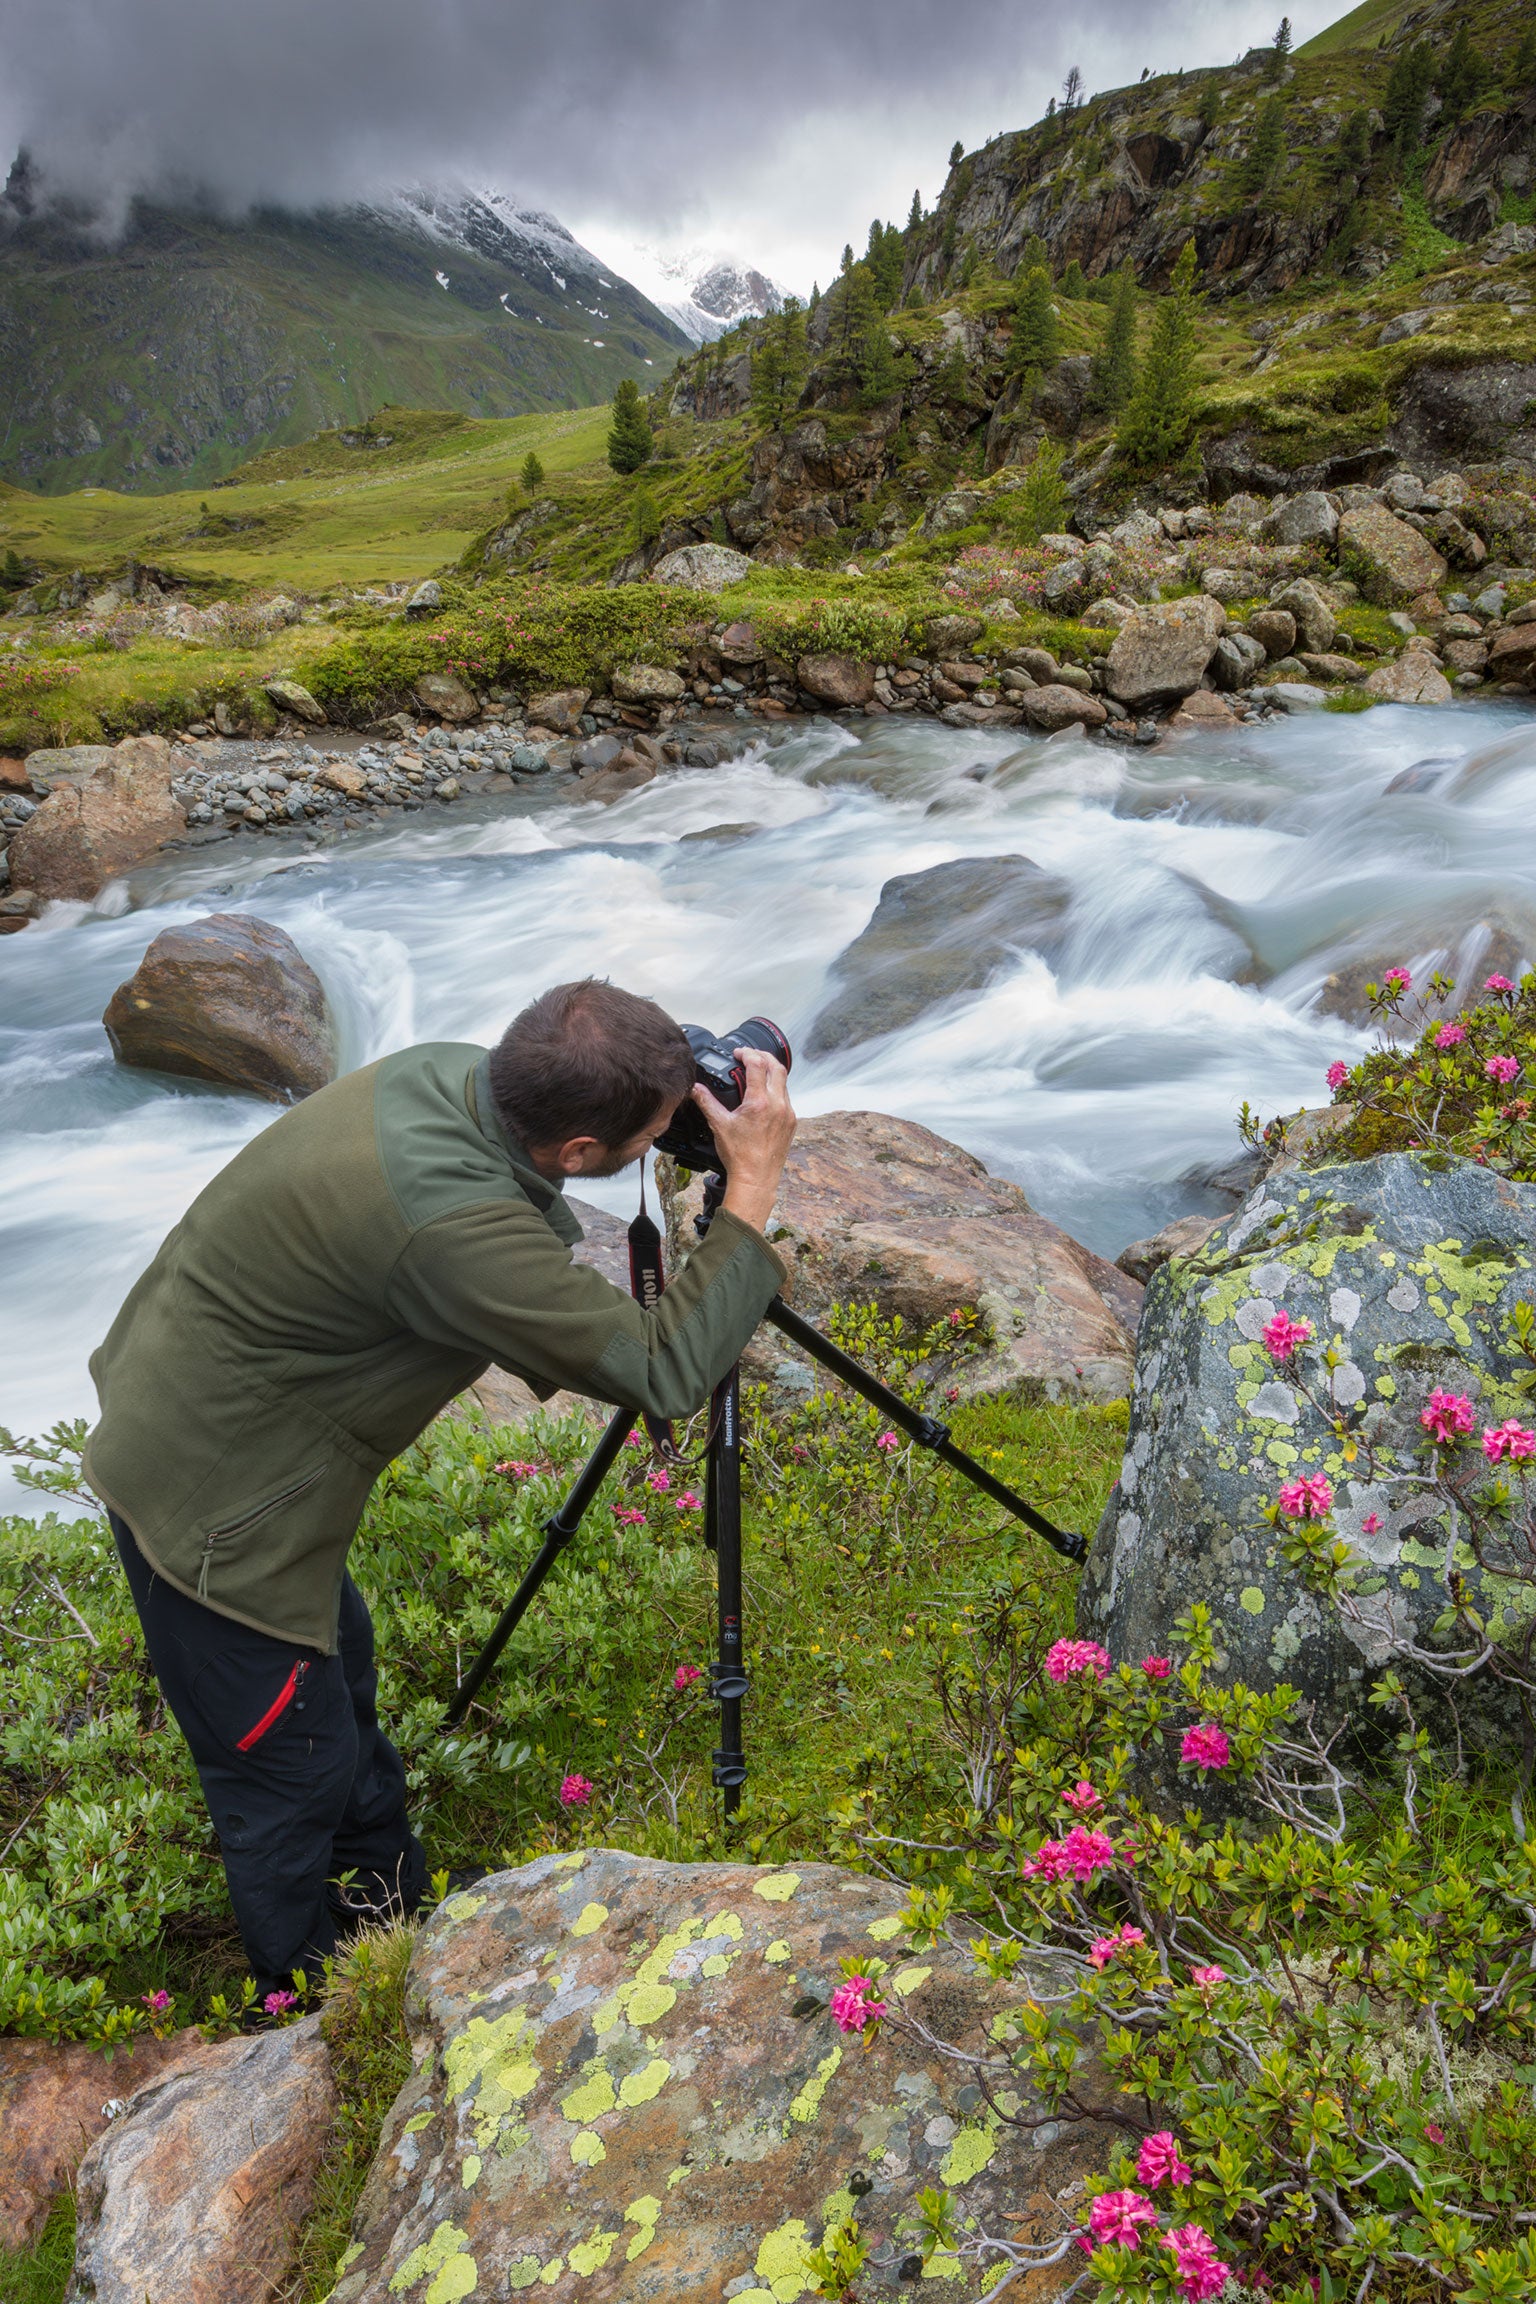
pixel 587 1076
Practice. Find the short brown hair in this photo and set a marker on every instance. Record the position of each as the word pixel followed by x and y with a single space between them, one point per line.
pixel 588 1060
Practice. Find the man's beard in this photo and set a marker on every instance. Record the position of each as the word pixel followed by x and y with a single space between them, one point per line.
pixel 615 1163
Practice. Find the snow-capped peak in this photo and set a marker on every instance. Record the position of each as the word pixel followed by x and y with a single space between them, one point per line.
pixel 704 290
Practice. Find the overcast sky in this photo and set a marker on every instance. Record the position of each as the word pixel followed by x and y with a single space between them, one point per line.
pixel 774 132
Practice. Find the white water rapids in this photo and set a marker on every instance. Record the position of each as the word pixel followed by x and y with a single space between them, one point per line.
pixel 1268 854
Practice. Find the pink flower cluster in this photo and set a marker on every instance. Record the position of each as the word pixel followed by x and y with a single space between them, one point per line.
pixel 854 2006
pixel 1118 2219
pixel 1508 1439
pixel 1082 1797
pixel 1157 1667
pixel 514 1468
pixel 1207 1978
pixel 156 2002
pixel 887 1443
pixel 1083 1855
pixel 659 1483
pixel 1309 1498
pixel 1205 1746
pixel 629 1516
pixel 1497 984
pixel 1503 1069
pixel 1446 1417
pixel 1399 979
pixel 1283 1335
pixel 1201 2271
pixel 1450 1035
pixel 1103 1948
pixel 279 2003
pixel 1337 1073
pixel 635 1439
pixel 684 1677
pixel 1115 2218
pixel 1069 1656
pixel 689 1502
pixel 576 1791
pixel 1158 2161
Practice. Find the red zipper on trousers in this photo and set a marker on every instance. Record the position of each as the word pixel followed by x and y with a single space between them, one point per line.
pixel 275 1709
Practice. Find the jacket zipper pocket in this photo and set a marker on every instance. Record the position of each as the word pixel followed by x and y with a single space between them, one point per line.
pixel 217 1536
pixel 275 1709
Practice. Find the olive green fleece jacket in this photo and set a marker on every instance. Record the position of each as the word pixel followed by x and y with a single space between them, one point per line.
pixel 351 1271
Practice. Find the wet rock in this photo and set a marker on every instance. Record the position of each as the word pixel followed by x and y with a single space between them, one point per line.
pixel 1466 950
pixel 1314 619
pixel 1512 653
pixel 629 2086
pixel 596 753
pixel 1412 678
pixel 876 1208
pixel 1397 1262
pixel 87 832
pixel 445 696
pixel 63 764
pixel 195 2192
pixel 56 2098
pixel 841 681
pixel 1390 561
pixel 292 696
pixel 702 567
pixel 1185 1236
pixel 1275 631
pixel 1055 705
pixel 230 999
pixel 1296 696
pixel 1161 656
pixel 936 934
pixel 1307 518
pixel 559 709
pixel 647 684
pixel 1201 710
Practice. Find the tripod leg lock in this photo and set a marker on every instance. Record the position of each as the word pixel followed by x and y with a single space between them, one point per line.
pixel 727 1687
pixel 930 1432
pixel 729 1770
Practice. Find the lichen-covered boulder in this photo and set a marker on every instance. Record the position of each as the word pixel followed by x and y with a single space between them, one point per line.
pixel 1408 1267
pixel 629 2085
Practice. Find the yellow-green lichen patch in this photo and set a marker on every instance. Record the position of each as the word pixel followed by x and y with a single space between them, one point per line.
pixel 943 2264
pixel 642 2213
pixel 777 1951
pixel 573 1862
pixel 418 2121
pixel 777 1888
pixel 808 2103
pixel 716 1965
pixel 781 2261
pixel 640 2087
pixel 588 2148
pixel 349 2255
pixel 648 2003
pixel 496 2060
pixel 968 2155
pixel 591 1919
pixel 726 1924
pixel 436 2256
pixel 469 2174
pixel 552 2272
pixel 524 2272
pixel 592 2098
pixel 908 1980
pixel 589 2256
pixel 1251 1599
pixel 463 1907
pixel 883 1930
pixel 834 2208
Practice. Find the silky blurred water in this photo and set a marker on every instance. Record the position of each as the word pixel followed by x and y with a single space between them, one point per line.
pixel 1215 884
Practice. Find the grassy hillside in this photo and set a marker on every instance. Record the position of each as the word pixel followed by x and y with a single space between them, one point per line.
pixel 1363 27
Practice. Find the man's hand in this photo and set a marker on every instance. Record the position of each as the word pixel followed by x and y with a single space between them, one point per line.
pixel 754 1140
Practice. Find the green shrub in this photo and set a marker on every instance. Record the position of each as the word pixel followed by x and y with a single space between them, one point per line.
pixel 1462 1087
pixel 870 630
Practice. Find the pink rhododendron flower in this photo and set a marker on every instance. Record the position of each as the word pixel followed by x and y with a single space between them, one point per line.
pixel 1399 978
pixel 1205 1746
pixel 1308 1498
pixel 1435 2135
pixel 1337 1073
pixel 1157 1667
pixel 1201 2271
pixel 1497 984
pixel 1283 1334
pixel 1082 1796
pixel 690 1502
pixel 156 2002
pixel 951 1393
pixel 658 1482
pixel 1450 1035
pixel 853 2004
pixel 887 1442
pixel 629 1515
pixel 1103 1948
pixel 513 1468
pixel 1115 2218
pixel 1503 1069
pixel 1158 2161
pixel 1207 1977
pixel 635 1439
pixel 685 1676
pixel 955 1319
pixel 576 1791
pixel 1371 1524
pixel 278 2003
pixel 1446 1417
pixel 1508 1439
pixel 1069 1656
pixel 1081 1856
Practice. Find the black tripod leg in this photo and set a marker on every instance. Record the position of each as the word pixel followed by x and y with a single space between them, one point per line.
pixel 558 1531
pixel 722 1532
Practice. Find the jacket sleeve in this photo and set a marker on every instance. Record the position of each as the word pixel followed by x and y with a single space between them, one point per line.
pixel 493 1279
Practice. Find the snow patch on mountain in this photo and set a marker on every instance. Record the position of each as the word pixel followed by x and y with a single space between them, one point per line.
pixel 703 290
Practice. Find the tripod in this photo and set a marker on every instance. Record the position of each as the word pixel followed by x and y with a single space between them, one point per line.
pixel 728 1683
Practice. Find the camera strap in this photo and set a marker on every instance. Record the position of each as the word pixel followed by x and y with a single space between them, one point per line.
pixel 646 1282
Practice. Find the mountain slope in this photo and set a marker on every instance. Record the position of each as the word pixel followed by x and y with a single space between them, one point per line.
pixel 704 290
pixel 174 354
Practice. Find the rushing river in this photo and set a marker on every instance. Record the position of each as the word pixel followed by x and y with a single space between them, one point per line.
pixel 1216 884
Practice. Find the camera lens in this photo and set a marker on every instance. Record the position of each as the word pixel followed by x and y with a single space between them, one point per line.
pixel 717 1064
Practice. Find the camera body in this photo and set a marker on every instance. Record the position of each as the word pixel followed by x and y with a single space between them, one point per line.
pixel 717 1064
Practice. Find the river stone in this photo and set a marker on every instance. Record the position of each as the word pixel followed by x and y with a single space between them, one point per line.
pixel 944 634
pixel 63 764
pixel 194 2194
pixel 445 696
pixel 647 684
pixel 1311 614
pixel 1408 1267
pixel 1412 678
pixel 558 708
pixel 1307 518
pixel 56 2097
pixel 841 681
pixel 1296 696
pixel 876 1208
pixel 629 2086
pixel 1160 656
pixel 702 568
pixel 1185 1236
pixel 1275 631
pixel 86 833
pixel 1390 561
pixel 1056 705
pixel 1511 654
pixel 230 999
pixel 936 934
pixel 292 696
pixel 739 643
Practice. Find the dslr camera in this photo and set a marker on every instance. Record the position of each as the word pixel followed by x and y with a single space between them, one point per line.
pixel 717 1063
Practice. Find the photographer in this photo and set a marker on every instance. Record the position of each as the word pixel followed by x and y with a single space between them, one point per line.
pixel 349 1273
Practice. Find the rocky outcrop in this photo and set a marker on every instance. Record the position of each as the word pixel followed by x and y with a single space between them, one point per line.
pixel 629 2085
pixel 646 684
pixel 702 567
pixel 1408 1271
pixel 873 1208
pixel 195 2192
pixel 63 764
pixel 1185 1236
pixel 56 2098
pixel 90 830
pixel 230 999
pixel 935 934
pixel 1162 653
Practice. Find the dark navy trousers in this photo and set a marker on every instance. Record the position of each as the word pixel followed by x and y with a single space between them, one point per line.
pixel 301 1782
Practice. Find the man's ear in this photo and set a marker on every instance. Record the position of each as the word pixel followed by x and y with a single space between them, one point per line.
pixel 572 1154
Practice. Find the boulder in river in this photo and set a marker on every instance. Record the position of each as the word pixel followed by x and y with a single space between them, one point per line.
pixel 841 681
pixel 63 764
pixel 1407 1268
pixel 230 999
pixel 1512 654
pixel 1054 705
pixel 1412 678
pixel 873 1209
pixel 1185 1236
pixel 647 684
pixel 558 708
pixel 1160 656
pixel 629 2085
pixel 88 831
pixel 937 933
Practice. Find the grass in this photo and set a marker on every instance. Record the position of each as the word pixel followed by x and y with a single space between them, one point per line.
pixel 40 2275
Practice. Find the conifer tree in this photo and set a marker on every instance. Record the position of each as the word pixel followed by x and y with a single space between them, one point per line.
pixel 1112 373
pixel 779 364
pixel 629 438
pixel 1160 413
pixel 915 212
pixel 1035 254
pixel 884 258
pixel 1402 107
pixel 1071 92
pixel 1463 75
pixel 1353 151
pixel 1036 338
pixel 1040 507
pixel 532 474
pixel 1208 110
pixel 814 305
pixel 956 153
pixel 1280 48
pixel 1266 152
pixel 1072 282
pixel 645 519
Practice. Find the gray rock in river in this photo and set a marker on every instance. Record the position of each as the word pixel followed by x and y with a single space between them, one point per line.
pixel 935 934
pixel 230 999
pixel 1409 1269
